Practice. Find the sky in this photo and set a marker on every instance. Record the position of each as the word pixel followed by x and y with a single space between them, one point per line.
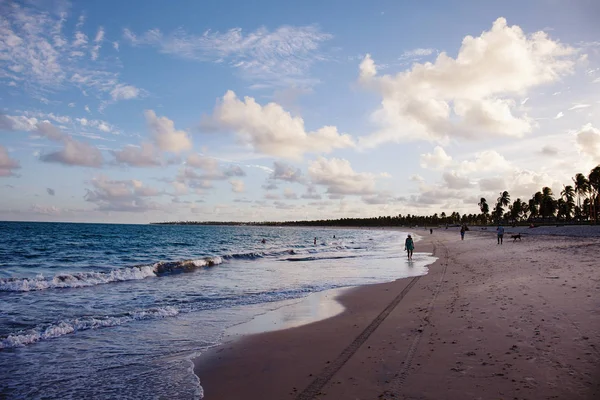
pixel 145 111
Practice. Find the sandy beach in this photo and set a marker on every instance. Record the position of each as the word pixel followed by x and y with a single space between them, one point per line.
pixel 514 321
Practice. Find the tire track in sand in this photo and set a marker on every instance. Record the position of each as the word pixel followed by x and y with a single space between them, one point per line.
pixel 315 387
pixel 395 385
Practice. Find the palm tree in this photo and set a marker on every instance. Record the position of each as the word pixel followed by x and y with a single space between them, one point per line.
pixel 581 187
pixel 503 201
pixel 517 209
pixel 561 207
pixel 485 209
pixel 594 191
pixel 568 196
pixel 548 204
pixel 533 207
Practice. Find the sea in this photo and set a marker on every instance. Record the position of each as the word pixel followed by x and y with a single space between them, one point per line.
pixel 109 311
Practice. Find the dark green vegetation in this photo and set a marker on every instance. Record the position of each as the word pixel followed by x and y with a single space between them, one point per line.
pixel 576 203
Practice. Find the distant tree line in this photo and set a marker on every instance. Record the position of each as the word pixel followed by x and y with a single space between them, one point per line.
pixel 576 203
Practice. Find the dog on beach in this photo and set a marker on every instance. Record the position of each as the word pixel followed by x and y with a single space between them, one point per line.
pixel 515 237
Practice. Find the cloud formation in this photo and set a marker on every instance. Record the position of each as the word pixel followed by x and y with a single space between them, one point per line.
pixel 436 160
pixel 271 130
pixel 39 56
pixel 281 57
pixel 7 164
pixel 164 134
pixel 339 177
pixel 467 97
pixel 588 139
pixel 121 195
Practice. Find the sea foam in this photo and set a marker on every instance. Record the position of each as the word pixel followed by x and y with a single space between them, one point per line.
pixel 65 327
pixel 85 279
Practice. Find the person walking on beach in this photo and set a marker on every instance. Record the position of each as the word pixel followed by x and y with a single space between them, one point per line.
pixel 430 231
pixel 462 232
pixel 500 231
pixel 409 246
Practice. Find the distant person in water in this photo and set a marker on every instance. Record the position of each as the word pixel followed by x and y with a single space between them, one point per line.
pixel 462 232
pixel 500 231
pixel 334 236
pixel 264 241
pixel 315 241
pixel 409 246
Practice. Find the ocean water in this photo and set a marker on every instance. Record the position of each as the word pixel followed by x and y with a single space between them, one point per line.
pixel 118 311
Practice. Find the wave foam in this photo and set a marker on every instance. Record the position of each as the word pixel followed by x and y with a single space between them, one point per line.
pixel 66 327
pixel 85 279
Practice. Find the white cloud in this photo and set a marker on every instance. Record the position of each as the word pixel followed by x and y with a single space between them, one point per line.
pixel 42 58
pixel 289 194
pixel 280 57
pixel 17 123
pixel 98 43
pixel 144 155
pixel 417 178
pixel 549 151
pixel 559 115
pixel 237 186
pixel 579 106
pixel 202 180
pixel 206 163
pixel 455 181
pixel 7 164
pixel 436 160
pixel 81 39
pixel 311 193
pixel 416 53
pixel 469 96
pixel 124 92
pixel 492 184
pixel 162 131
pixel 121 195
pixel 339 177
pixel 116 46
pixel 287 173
pixel 75 153
pixel 272 130
pixel 588 139
pixel 488 160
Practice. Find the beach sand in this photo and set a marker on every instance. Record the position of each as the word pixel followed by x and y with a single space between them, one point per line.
pixel 517 321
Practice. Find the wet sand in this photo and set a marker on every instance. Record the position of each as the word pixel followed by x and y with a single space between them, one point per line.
pixel 517 321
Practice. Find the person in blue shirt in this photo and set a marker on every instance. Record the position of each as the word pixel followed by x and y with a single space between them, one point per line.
pixel 500 231
pixel 409 246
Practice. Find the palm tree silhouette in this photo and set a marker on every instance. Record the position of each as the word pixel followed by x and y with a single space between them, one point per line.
pixel 581 187
pixel 568 196
pixel 594 191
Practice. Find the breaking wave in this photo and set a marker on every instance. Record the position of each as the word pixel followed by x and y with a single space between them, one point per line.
pixel 65 327
pixel 85 279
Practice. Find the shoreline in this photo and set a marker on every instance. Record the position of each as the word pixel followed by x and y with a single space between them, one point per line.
pixel 487 321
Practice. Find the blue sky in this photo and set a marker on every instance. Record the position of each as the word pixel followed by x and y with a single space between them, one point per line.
pixel 144 111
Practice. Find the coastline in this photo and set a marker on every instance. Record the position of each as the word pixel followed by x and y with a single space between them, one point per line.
pixel 487 321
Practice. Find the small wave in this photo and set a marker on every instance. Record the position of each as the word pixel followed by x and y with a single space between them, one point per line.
pixel 69 326
pixel 245 256
pixel 161 268
pixel 85 279
pixel 318 258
